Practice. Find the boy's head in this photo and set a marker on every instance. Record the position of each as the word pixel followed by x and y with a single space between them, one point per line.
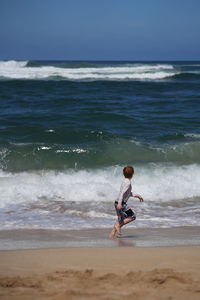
pixel 128 172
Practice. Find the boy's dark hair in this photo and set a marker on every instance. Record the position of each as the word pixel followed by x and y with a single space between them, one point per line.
pixel 128 171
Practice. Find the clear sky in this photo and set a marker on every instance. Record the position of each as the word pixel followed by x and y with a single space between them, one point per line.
pixel 100 29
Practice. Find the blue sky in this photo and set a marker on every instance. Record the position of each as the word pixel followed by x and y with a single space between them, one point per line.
pixel 100 29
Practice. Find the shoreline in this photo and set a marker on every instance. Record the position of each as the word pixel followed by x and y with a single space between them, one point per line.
pixel 17 239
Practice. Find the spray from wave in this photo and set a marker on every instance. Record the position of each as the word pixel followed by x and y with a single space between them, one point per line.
pixel 12 64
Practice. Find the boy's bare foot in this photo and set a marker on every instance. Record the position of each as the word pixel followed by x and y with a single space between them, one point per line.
pixel 112 234
pixel 118 229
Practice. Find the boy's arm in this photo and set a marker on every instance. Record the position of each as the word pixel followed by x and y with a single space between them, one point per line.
pixel 137 196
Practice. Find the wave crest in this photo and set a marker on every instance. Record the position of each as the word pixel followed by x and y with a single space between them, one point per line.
pixel 12 64
pixel 101 185
pixel 17 157
pixel 20 70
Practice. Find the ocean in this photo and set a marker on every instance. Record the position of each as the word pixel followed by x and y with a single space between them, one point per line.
pixel 68 128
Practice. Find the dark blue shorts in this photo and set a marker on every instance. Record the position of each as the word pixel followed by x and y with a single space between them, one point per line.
pixel 125 213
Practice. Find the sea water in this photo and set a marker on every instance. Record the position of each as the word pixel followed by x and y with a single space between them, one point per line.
pixel 67 129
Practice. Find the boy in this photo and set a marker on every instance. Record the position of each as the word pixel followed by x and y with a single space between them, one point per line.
pixel 124 213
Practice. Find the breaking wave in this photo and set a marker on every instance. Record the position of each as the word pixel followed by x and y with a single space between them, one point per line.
pixel 21 70
pixel 100 185
pixel 84 198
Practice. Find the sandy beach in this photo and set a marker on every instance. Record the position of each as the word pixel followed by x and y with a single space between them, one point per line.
pixel 109 272
pixel 101 273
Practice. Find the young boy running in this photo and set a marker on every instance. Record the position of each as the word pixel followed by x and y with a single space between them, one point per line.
pixel 124 212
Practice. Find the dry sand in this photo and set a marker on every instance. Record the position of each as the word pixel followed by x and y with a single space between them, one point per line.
pixel 101 273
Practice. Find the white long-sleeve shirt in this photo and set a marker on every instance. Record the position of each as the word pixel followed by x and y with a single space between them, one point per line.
pixel 125 191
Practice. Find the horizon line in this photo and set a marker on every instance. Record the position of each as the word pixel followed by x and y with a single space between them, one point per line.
pixel 104 60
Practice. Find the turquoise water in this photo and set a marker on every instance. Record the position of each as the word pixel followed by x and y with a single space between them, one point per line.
pixel 68 128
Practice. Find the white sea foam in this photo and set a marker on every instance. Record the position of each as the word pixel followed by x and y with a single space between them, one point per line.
pixel 192 135
pixel 156 182
pixel 44 148
pixel 149 67
pixel 50 130
pixel 84 198
pixel 78 150
pixel 20 70
pixel 12 64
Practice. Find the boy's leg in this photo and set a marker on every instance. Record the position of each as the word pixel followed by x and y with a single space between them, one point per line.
pixel 121 217
pixel 126 221
pixel 113 232
pixel 130 216
pixel 118 227
pixel 122 220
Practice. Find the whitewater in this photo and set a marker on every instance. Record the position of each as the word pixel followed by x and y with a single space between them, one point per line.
pixel 21 70
pixel 87 197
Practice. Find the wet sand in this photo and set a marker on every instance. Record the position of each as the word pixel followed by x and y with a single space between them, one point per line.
pixel 132 237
